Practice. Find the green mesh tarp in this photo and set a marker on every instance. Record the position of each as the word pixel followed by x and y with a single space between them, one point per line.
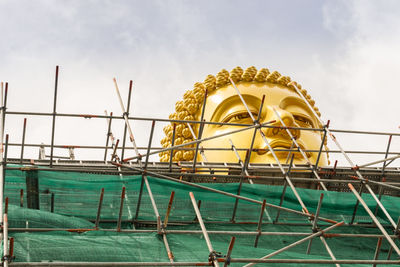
pixel 76 198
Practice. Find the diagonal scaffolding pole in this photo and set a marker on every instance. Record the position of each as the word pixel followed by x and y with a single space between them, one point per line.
pixel 201 128
pixel 280 166
pixel 376 221
pixel 144 176
pixel 114 145
pixel 354 167
pixel 163 176
pixel 204 230
pixel 319 233
pixel 304 208
pixel 300 149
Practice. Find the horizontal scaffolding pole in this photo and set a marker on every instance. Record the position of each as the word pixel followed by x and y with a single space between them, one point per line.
pixel 89 116
pixel 205 149
pixel 213 232
pixel 179 174
pixel 239 260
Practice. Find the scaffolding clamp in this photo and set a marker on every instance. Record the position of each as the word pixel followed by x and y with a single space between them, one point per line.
pixel 214 256
pixel 8 258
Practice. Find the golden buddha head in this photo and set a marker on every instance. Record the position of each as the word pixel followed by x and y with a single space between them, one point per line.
pixel 282 105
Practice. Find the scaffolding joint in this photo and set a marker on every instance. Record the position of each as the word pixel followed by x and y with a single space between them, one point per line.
pixel 8 258
pixel 213 256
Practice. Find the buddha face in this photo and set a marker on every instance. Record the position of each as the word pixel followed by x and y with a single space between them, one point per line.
pixel 282 105
pixel 224 105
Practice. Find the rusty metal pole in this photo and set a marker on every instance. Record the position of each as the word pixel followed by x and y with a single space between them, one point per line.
pixel 99 209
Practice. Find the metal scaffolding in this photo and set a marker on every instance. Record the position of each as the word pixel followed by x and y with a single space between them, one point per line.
pixel 376 181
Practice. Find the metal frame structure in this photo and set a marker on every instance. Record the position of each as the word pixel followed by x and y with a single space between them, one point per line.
pixel 373 180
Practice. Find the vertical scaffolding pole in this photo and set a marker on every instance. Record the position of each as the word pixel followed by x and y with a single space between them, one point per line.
pixel 2 123
pixel 284 190
pixel 383 173
pixel 260 223
pixel 5 240
pixel 377 250
pixel 241 161
pixel 53 127
pixel 23 141
pixel 99 209
pixel 5 158
pixel 171 155
pixel 131 137
pixel 228 254
pixel 109 135
pixel 127 113
pixel 21 198
pixel 314 225
pixel 144 176
pixel 145 167
pixel 322 146
pixel 239 189
pixel 121 208
pixel 201 126
pixel 247 161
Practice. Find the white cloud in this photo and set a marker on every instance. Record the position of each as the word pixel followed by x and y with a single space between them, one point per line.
pixel 360 83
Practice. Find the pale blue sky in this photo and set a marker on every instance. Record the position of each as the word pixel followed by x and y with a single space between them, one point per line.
pixel 344 52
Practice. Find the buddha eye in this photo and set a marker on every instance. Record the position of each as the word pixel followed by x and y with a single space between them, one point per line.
pixel 303 121
pixel 238 117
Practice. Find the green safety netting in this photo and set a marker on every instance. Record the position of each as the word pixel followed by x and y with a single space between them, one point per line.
pixel 76 198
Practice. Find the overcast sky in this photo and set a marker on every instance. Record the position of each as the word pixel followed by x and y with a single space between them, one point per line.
pixel 345 53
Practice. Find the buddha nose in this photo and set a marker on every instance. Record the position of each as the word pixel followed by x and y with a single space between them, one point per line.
pixel 282 119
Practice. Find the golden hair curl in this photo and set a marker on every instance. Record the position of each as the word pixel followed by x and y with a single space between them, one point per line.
pixel 192 102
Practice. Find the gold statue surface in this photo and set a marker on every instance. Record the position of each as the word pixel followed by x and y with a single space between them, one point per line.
pixel 282 105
